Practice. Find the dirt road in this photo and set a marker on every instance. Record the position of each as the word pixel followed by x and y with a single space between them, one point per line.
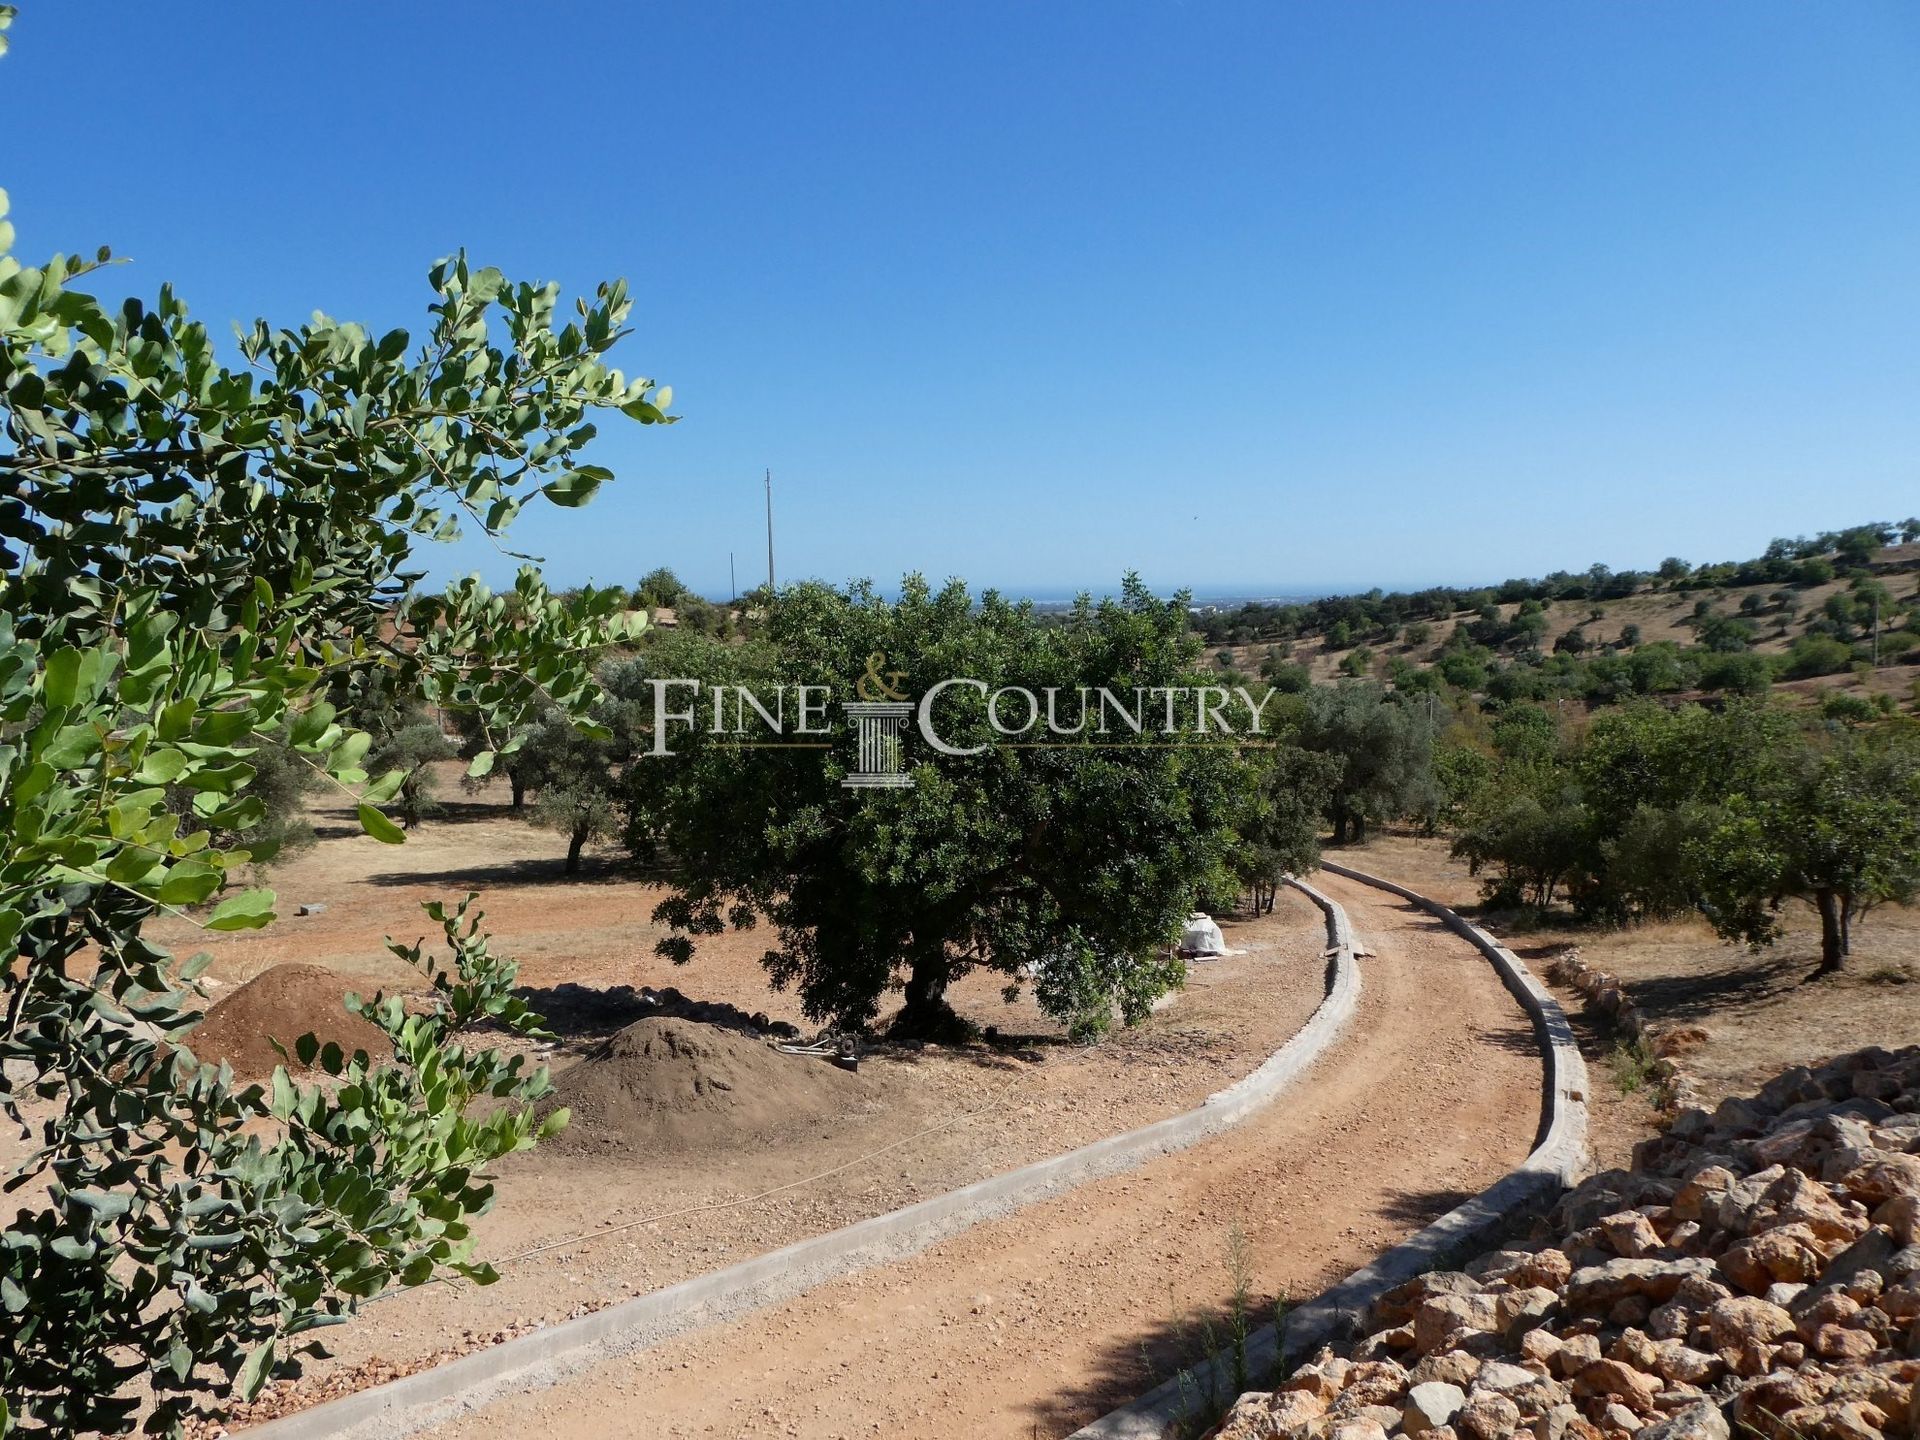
pixel 1032 1325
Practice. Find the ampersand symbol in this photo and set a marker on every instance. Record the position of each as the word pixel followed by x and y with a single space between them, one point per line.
pixel 877 684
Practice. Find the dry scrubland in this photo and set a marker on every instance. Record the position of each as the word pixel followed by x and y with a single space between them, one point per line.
pixel 1761 1011
pixel 1660 614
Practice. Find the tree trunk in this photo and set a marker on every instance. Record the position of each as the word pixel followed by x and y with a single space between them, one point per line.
pixel 1833 932
pixel 926 1014
pixel 1359 828
pixel 574 846
pixel 519 785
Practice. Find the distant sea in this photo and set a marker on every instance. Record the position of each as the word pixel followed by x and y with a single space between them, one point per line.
pixel 1054 598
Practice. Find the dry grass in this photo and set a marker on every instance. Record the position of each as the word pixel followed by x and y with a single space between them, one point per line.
pixel 1762 1012
pixel 1661 615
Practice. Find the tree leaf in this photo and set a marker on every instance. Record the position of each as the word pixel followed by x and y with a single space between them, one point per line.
pixel 380 827
pixel 572 489
pixel 188 883
pixel 61 682
pixel 253 1374
pixel 249 910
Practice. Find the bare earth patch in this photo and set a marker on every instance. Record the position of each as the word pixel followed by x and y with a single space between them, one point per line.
pixel 624 1206
pixel 1762 1012
pixel 1034 1324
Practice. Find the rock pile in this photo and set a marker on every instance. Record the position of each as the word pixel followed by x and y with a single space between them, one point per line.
pixel 1757 1272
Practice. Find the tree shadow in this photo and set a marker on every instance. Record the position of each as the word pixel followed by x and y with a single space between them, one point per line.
pixel 1517 1037
pixel 1152 1354
pixel 457 810
pixel 1743 984
pixel 582 1016
pixel 1003 1053
pixel 1419 1208
pixel 532 870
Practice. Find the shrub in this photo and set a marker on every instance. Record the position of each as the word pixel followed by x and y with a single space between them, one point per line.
pixel 1814 655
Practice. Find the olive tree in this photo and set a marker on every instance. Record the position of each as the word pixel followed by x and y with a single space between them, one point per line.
pixel 1385 746
pixel 1279 824
pixel 577 790
pixel 196 556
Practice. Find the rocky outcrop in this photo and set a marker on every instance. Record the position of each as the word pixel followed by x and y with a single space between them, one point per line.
pixel 1756 1272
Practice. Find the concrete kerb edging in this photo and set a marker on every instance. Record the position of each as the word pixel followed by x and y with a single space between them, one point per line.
pixel 1557 1160
pixel 546 1356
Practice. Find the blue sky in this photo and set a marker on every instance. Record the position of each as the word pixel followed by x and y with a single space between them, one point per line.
pixel 1256 297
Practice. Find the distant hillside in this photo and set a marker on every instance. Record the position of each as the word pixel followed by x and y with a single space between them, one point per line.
pixel 1837 611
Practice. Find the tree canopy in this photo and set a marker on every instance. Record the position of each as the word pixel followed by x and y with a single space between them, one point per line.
pixel 202 564
pixel 1073 865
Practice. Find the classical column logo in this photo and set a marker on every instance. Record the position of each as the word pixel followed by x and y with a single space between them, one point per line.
pixel 880 714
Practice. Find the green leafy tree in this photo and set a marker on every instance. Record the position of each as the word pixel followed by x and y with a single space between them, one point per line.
pixel 1742 673
pixel 1075 864
pixel 1526 733
pixel 1385 747
pixel 195 558
pixel 1533 830
pixel 410 751
pixel 1280 827
pixel 581 810
pixel 1834 824
pixel 1287 676
pixel 578 789
pixel 1460 771
pixel 659 587
pixel 1814 655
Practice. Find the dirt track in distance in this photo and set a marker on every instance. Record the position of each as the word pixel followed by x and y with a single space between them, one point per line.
pixel 1033 1325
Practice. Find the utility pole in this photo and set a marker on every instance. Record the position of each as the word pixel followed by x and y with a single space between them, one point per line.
pixel 733 584
pixel 1876 632
pixel 769 534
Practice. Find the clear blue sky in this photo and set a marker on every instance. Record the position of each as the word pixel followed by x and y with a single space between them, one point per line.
pixel 1248 296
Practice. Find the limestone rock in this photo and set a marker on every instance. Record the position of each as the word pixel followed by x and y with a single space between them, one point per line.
pixel 1701 1420
pixel 1441 1315
pixel 1601 1286
pixel 1631 1234
pixel 1430 1405
pixel 1487 1415
pixel 1745 1320
pixel 1618 1380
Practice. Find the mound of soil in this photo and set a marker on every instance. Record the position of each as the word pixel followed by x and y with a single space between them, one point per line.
pixel 282 1003
pixel 574 1009
pixel 674 1082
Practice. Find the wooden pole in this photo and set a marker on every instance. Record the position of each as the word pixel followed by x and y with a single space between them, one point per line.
pixel 769 534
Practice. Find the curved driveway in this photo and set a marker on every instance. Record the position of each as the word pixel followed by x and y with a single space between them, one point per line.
pixel 1037 1323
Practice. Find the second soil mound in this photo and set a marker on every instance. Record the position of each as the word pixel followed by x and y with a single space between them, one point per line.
pixel 673 1082
pixel 282 1003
